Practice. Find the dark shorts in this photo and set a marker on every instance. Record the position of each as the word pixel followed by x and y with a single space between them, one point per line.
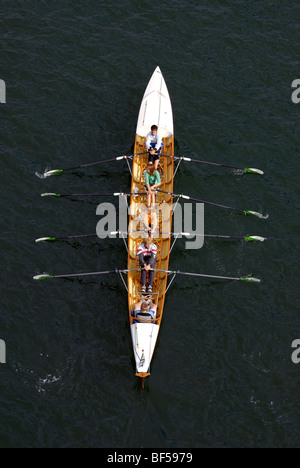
pixel 153 157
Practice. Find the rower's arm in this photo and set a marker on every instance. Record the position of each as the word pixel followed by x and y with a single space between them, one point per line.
pixel 147 181
pixel 141 260
pixel 158 181
pixel 148 141
pixel 153 306
pixel 152 260
pixel 159 142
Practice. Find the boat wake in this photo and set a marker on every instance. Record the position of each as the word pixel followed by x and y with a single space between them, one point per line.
pixel 258 215
pixel 42 176
pixel 238 172
pixel 42 383
pixel 39 175
pixel 48 173
pixel 261 216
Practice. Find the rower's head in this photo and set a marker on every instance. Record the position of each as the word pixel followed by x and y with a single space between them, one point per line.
pixel 154 129
pixel 144 307
pixel 147 241
pixel 150 166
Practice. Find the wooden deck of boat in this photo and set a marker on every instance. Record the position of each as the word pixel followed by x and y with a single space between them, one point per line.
pixel 162 241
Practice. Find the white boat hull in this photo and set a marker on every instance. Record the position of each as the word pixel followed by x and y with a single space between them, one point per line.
pixel 156 108
pixel 144 336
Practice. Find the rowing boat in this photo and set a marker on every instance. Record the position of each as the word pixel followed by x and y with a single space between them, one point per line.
pixel 155 109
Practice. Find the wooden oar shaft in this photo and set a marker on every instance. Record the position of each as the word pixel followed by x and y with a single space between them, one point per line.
pixel 76 237
pixel 73 275
pixel 217 204
pixel 214 164
pixel 183 158
pixel 203 201
pixel 116 194
pixel 81 166
pixel 207 276
pixel 88 165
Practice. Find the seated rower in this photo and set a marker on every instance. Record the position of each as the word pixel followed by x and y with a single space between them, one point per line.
pixel 146 253
pixel 152 180
pixel 153 144
pixel 144 311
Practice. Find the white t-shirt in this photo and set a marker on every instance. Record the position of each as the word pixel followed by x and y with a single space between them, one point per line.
pixel 153 139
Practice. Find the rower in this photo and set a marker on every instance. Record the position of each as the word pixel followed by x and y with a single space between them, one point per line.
pixel 145 311
pixel 152 180
pixel 146 253
pixel 154 144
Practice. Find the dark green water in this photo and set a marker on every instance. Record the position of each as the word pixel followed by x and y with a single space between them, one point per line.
pixel 222 374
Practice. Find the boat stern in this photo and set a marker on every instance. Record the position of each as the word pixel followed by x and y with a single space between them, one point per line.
pixel 144 336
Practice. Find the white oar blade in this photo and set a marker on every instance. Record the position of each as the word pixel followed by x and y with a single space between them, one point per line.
pixel 253 170
pixel 49 173
pixel 251 279
pixel 255 213
pixel 50 195
pixel 53 172
pixel 45 239
pixel 255 238
pixel 42 277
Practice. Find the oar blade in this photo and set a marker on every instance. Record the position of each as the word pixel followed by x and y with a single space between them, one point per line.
pixel 255 238
pixel 253 170
pixel 42 277
pixel 255 213
pixel 50 195
pixel 45 239
pixel 53 172
pixel 250 279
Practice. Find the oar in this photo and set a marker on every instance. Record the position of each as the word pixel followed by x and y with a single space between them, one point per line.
pixel 80 236
pixel 116 194
pixel 250 279
pixel 73 275
pixel 246 169
pixel 52 239
pixel 188 234
pixel 82 166
pixel 254 213
pixel 216 236
pixel 142 231
pixel 77 275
